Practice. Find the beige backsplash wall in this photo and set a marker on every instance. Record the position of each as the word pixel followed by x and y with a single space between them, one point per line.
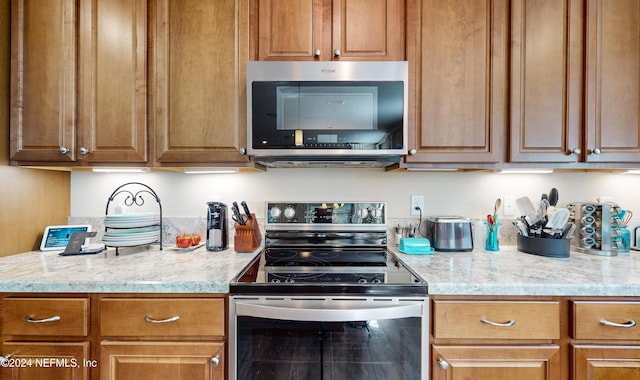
pixel 470 194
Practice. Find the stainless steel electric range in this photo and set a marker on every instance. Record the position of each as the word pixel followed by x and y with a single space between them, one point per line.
pixel 326 299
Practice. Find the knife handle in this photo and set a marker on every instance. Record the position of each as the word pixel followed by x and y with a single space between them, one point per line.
pixel 246 209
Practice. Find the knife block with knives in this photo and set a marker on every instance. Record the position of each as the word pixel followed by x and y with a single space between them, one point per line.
pixel 247 236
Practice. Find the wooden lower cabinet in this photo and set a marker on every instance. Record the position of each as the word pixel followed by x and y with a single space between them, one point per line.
pixel 496 362
pixel 162 360
pixel 606 362
pixel 46 361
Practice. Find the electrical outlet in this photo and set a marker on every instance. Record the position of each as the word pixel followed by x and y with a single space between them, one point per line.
pixel 417 201
pixel 509 206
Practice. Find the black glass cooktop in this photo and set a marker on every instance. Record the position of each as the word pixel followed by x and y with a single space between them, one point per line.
pixel 327 271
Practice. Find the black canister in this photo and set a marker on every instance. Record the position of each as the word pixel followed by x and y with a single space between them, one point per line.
pixel 217 234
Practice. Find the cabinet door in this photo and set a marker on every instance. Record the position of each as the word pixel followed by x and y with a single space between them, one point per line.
pixel 368 30
pixel 47 361
pixel 613 81
pixel 112 122
pixel 594 362
pixel 161 361
pixel 43 80
pixel 200 56
pixel 546 80
pixel 496 362
pixel 293 30
pixel 461 82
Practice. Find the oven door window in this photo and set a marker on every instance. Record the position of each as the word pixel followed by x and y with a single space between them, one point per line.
pixel 283 349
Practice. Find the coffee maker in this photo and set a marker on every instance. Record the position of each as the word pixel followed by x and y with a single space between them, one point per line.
pixel 217 230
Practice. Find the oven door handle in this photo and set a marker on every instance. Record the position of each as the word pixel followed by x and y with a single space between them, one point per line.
pixel 329 314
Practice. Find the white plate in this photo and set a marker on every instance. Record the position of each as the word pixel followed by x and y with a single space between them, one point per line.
pixel 131 242
pixel 131 220
pixel 188 249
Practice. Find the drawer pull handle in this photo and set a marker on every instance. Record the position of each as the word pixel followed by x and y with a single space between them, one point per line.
pixel 170 319
pixel 215 361
pixel 627 325
pixel 30 319
pixel 506 324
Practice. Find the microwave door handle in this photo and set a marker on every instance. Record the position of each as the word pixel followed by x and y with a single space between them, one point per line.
pixel 329 314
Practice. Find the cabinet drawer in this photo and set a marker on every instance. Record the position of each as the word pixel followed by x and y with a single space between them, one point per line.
pixel 162 317
pixel 496 320
pixel 46 316
pixel 606 320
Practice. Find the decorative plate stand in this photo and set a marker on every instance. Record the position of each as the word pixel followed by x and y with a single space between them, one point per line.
pixel 130 230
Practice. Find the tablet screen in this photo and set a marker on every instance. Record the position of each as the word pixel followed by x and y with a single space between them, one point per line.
pixel 57 237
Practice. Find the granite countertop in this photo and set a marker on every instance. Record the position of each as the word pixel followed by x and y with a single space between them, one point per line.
pixel 133 271
pixel 507 272
pixel 510 272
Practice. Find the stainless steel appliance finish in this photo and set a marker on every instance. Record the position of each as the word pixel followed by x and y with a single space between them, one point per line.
pixel 217 230
pixel 450 233
pixel 327 113
pixel 326 287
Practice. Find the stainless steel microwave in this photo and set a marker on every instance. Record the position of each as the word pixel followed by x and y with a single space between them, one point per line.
pixel 327 112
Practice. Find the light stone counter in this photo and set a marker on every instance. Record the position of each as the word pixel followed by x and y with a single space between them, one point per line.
pixel 507 272
pixel 133 271
pixel 510 272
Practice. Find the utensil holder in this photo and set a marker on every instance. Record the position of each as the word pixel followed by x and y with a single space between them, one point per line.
pixel 247 237
pixel 558 248
pixel 491 243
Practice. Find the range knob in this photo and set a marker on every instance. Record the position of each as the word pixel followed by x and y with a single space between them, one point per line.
pixel 376 212
pixel 362 213
pixel 289 212
pixel 376 281
pixel 362 281
pixel 275 212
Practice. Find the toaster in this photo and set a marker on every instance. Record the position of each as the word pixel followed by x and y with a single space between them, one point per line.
pixel 450 233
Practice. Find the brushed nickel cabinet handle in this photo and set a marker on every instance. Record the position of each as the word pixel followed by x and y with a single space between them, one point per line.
pixel 627 325
pixel 64 150
pixel 576 151
pixel 316 52
pixel 596 151
pixel 168 320
pixel 497 324
pixel 443 364
pixel 215 361
pixel 30 319
pixel 337 52
pixel 84 150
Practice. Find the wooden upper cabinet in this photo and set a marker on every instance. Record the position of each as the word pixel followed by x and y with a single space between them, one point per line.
pixel 199 55
pixel 112 96
pixel 460 80
pixel 78 81
pixel 546 80
pixel 329 29
pixel 43 80
pixel 613 81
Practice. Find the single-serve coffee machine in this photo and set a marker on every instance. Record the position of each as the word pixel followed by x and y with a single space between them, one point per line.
pixel 217 230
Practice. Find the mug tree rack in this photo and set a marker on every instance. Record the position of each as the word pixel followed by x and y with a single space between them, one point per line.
pixel 132 194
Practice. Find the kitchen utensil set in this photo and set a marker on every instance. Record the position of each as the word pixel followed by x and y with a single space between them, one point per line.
pixel 545 221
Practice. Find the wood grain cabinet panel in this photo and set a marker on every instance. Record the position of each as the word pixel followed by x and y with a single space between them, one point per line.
pixel 606 320
pixel 47 361
pixel 162 317
pixel 199 73
pixel 502 362
pixel 45 316
pixel 546 80
pixel 496 320
pixel 162 360
pixel 612 81
pixel 325 30
pixel 460 81
pixel 605 362
pixel 43 81
pixel 112 83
